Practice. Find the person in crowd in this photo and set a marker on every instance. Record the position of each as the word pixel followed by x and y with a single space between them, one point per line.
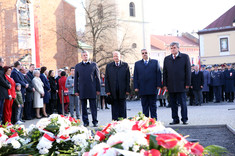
pixel 190 91
pixel 177 79
pixel 211 93
pixel 19 78
pixel 59 105
pixel 205 89
pixel 30 72
pixel 47 89
pixel 38 94
pixel 28 104
pixel 11 95
pixel 103 95
pixel 229 78
pixel 117 85
pixel 223 97
pixel 65 90
pixel 147 80
pixel 87 86
pixel 217 79
pixel 54 91
pixel 73 99
pixel 197 82
pixel 162 97
pixel 18 104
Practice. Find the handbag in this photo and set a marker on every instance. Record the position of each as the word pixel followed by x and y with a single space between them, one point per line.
pixel 109 99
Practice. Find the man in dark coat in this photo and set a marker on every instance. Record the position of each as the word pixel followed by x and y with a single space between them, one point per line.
pixel 217 79
pixel 197 81
pixel 117 85
pixel 30 72
pixel 28 104
pixel 18 77
pixel 147 79
pixel 229 81
pixel 87 86
pixel 207 80
pixel 211 93
pixel 176 79
pixel 4 86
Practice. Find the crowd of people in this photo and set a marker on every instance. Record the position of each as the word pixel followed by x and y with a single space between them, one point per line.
pixel 31 93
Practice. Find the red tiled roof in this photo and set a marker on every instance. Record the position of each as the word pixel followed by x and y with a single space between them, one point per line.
pixel 162 41
pixel 224 20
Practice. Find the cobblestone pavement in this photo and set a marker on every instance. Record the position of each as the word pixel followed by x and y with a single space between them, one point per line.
pixel 207 114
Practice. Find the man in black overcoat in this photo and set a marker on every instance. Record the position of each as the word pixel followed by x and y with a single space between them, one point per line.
pixel 87 86
pixel 117 85
pixel 197 82
pixel 177 79
pixel 147 79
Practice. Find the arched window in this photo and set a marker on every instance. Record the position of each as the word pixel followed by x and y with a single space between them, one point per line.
pixel 100 11
pixel 132 9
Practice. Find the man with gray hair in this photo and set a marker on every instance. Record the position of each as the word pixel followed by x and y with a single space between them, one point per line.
pixel 117 85
pixel 4 86
pixel 177 79
pixel 87 86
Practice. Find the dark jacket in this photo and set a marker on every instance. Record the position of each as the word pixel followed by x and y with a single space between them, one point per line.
pixel 30 75
pixel 197 80
pixel 229 79
pixel 217 78
pixel 4 85
pixel 117 77
pixel 176 73
pixel 29 90
pixel 46 88
pixel 19 78
pixel 147 77
pixel 53 86
pixel 86 80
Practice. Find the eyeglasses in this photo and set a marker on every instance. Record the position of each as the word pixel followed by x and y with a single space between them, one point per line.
pixel 144 53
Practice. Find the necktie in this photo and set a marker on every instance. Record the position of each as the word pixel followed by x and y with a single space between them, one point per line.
pixel 145 62
pixel 117 64
pixel 174 57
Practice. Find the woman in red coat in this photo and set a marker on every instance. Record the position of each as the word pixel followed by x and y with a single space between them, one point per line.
pixel 62 82
pixel 12 95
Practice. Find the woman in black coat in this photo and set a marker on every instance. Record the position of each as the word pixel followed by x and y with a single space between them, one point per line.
pixel 54 91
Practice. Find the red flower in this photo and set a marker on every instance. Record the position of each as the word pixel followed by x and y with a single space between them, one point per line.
pixel 167 140
pixel 152 152
pixel 12 130
pixel 195 148
pixel 19 128
pixel 136 126
pixel 182 154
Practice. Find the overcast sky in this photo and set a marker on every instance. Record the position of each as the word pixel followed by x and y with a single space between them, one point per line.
pixel 167 16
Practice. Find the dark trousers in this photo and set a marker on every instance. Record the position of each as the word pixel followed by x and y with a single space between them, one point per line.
pixel 50 106
pixel 1 109
pixel 197 96
pixel 27 109
pixel 59 105
pixel 93 108
pixel 230 96
pixel 211 94
pixel 222 93
pixel 148 103
pixel 181 99
pixel 205 97
pixel 119 109
pixel 217 93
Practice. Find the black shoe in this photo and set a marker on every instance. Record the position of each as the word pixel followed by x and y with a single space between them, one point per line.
pixel 217 102
pixel 95 125
pixel 174 123
pixel 106 107
pixel 185 123
pixel 86 125
pixel 22 120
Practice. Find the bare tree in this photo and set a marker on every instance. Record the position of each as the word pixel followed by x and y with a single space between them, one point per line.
pixel 100 33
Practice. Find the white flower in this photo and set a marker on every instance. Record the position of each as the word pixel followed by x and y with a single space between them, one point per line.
pixel 15 144
pixel 43 151
pixel 124 125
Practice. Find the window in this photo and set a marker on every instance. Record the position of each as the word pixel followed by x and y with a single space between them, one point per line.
pixel 132 9
pixel 224 44
pixel 134 45
pixel 100 11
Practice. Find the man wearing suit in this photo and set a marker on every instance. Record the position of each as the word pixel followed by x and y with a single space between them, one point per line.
pixel 30 72
pixel 197 81
pixel 28 104
pixel 18 77
pixel 4 86
pixel 147 79
pixel 117 85
pixel 176 79
pixel 87 86
pixel 217 80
